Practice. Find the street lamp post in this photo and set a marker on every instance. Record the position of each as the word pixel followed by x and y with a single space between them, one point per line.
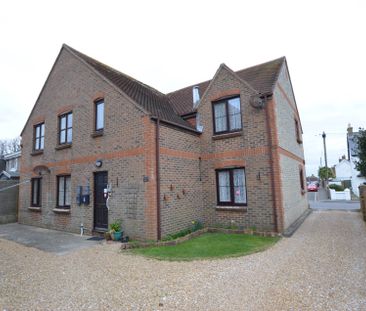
pixel 325 157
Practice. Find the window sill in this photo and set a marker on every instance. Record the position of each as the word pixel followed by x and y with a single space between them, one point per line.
pixel 231 208
pixel 64 146
pixel 227 135
pixel 62 210
pixel 34 208
pixel 97 133
pixel 37 152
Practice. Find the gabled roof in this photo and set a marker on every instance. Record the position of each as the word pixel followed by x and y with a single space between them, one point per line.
pixel 150 99
pixel 171 107
pixel 261 77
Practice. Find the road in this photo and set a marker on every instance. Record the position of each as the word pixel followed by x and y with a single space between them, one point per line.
pixel 319 201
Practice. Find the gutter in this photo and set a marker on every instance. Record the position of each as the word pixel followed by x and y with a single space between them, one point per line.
pixel 271 162
pixel 157 143
pixel 177 125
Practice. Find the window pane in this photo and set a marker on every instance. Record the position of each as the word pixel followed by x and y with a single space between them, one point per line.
pixel 37 131
pixel 220 117
pixel 61 191
pixel 62 136
pixel 69 135
pixel 42 129
pixel 224 186
pixel 42 143
pixel 69 120
pixel 68 191
pixel 35 191
pixel 239 186
pixel 100 116
pixel 36 144
pixel 234 113
pixel 63 123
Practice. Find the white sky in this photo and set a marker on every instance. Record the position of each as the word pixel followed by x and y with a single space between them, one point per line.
pixel 170 45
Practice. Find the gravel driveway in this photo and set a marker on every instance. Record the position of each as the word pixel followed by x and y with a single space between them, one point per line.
pixel 321 267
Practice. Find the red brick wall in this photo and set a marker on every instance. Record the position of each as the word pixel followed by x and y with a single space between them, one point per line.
pixel 181 187
pixel 128 150
pixel 250 149
pixel 124 149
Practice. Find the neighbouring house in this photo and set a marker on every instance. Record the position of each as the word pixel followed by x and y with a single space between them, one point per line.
pixel 9 166
pixel 352 148
pixel 343 173
pixel 100 146
pixel 9 188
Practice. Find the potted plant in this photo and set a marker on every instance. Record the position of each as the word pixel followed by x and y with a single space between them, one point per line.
pixel 115 230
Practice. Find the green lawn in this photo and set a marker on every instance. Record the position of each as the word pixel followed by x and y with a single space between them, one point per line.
pixel 210 245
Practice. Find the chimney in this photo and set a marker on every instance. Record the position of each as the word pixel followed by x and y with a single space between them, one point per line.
pixel 349 129
pixel 196 96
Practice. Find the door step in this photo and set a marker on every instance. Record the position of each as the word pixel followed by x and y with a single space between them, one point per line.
pixel 99 232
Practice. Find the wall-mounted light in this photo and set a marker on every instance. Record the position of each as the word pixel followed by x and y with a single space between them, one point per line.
pixel 98 163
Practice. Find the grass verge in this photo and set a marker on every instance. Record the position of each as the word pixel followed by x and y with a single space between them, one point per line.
pixel 210 246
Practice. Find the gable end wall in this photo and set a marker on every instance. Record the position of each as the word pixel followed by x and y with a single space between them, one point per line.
pixel 291 152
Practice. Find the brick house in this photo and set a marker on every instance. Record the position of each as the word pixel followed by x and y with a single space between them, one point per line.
pixel 100 146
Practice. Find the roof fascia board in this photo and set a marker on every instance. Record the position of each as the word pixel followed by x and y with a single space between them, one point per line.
pixel 292 89
pixel 107 80
pixel 176 125
pixel 224 67
pixel 41 92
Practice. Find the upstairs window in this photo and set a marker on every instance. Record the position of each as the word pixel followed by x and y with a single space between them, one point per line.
pixel 12 165
pixel 39 137
pixel 227 115
pixel 65 126
pixel 231 187
pixel 99 115
pixel 297 130
pixel 64 191
pixel 36 192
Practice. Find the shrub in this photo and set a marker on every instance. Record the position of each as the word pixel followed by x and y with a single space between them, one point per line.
pixel 336 187
pixel 196 225
pixel 115 226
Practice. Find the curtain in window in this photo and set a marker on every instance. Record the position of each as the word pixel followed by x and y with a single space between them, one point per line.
pixel 68 191
pixel 234 113
pixel 35 192
pixel 42 137
pixel 224 186
pixel 36 144
pixel 100 116
pixel 69 128
pixel 220 117
pixel 239 186
pixel 61 191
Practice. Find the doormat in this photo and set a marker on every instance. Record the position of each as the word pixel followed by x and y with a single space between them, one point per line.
pixel 95 238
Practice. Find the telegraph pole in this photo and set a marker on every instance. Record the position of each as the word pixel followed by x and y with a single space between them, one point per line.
pixel 325 157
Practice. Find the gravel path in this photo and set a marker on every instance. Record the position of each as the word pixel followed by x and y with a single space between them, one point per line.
pixel 321 267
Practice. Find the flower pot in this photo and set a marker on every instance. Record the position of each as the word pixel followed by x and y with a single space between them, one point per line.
pixel 117 236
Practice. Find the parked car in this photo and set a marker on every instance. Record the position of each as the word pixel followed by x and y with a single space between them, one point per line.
pixel 313 187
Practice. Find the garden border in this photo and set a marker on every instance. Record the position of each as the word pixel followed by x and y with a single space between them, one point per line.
pixel 197 233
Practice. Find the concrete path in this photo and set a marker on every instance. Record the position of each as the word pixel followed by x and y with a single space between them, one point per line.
pixel 47 240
